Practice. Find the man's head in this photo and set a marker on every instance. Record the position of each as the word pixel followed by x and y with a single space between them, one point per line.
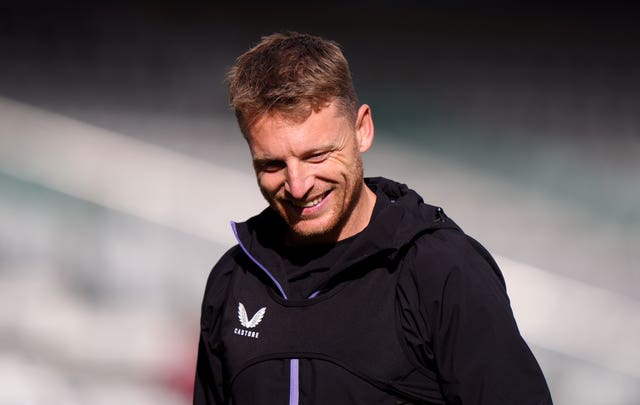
pixel 297 108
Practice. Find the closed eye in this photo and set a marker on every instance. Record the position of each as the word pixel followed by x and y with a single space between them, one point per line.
pixel 318 157
pixel 269 166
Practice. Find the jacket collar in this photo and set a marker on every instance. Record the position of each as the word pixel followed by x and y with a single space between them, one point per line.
pixel 401 217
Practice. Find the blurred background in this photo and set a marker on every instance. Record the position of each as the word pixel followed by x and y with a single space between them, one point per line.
pixel 121 165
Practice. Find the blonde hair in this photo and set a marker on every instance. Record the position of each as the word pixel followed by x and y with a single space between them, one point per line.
pixel 292 75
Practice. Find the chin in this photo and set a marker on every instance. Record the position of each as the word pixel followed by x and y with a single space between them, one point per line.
pixel 312 232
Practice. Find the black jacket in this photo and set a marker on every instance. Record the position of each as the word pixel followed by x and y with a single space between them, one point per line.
pixel 412 311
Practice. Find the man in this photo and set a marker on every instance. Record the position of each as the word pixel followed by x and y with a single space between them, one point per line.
pixel 346 290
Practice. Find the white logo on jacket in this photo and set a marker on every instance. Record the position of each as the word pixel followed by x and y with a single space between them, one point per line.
pixel 255 319
pixel 249 323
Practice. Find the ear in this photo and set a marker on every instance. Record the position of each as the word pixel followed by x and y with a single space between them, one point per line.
pixel 364 128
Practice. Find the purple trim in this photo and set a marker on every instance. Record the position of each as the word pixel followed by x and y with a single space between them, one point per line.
pixel 294 375
pixel 294 390
pixel 235 233
pixel 315 294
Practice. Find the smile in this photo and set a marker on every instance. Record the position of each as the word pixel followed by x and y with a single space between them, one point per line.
pixel 308 204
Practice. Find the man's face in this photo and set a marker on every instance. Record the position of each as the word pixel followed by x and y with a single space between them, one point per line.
pixel 311 172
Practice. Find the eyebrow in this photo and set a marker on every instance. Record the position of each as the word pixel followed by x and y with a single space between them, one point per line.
pixel 305 154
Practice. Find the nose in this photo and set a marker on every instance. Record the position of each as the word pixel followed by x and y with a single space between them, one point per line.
pixel 298 182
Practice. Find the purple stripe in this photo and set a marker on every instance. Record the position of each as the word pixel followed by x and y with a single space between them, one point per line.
pixel 293 383
pixel 294 375
pixel 235 233
pixel 314 294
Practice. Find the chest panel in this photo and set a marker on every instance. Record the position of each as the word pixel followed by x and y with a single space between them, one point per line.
pixel 353 326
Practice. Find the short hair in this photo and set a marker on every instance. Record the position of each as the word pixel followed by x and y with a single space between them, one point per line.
pixel 293 75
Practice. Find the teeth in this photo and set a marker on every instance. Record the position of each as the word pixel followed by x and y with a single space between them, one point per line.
pixel 307 204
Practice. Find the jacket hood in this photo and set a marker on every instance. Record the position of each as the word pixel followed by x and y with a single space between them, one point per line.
pixel 405 215
pixel 400 217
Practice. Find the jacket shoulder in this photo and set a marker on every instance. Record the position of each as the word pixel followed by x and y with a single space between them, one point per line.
pixel 456 319
pixel 444 273
pixel 437 257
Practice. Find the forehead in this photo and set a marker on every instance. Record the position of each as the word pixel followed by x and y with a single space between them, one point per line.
pixel 274 134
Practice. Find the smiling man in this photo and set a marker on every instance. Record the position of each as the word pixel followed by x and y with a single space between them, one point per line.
pixel 346 289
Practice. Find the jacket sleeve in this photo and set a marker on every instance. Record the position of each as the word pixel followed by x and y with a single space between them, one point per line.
pixel 209 387
pixel 458 322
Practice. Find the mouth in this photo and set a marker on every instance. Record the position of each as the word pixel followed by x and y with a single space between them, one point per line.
pixel 309 203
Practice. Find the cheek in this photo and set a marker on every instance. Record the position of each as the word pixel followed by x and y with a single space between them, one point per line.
pixel 269 183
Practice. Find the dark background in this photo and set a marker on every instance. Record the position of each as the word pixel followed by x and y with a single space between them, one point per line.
pixel 420 57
